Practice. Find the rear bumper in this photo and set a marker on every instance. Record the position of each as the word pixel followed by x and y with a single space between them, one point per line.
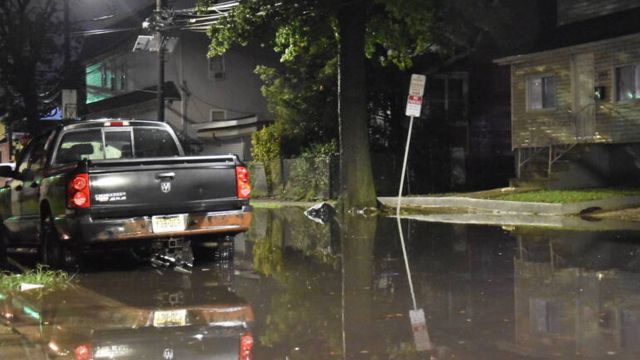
pixel 88 230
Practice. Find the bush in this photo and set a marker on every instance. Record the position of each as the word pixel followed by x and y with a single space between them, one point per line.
pixel 266 143
pixel 266 148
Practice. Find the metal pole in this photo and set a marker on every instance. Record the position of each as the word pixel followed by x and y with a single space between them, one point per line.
pixel 10 139
pixel 404 166
pixel 67 41
pixel 161 52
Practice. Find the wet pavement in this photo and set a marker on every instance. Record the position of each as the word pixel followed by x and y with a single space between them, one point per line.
pixel 300 289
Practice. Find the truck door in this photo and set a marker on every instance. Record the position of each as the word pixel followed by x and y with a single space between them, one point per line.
pixel 24 192
pixel 30 194
pixel 15 223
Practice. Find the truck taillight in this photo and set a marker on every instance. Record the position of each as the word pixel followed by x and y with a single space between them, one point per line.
pixel 83 352
pixel 242 181
pixel 78 192
pixel 246 346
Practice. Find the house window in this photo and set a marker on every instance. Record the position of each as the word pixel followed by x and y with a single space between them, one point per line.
pixel 541 92
pixel 216 68
pixel 218 115
pixel 627 82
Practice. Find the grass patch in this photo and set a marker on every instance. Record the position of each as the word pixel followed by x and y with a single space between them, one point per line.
pixel 41 275
pixel 568 196
pixel 267 205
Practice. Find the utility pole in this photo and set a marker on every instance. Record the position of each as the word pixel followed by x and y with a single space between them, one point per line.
pixel 67 41
pixel 161 56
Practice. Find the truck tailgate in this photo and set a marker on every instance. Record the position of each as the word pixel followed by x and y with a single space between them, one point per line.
pixel 162 186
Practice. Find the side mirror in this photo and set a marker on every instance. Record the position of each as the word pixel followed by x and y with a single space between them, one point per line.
pixel 6 171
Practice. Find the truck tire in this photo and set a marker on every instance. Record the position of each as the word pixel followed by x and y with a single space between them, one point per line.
pixel 52 251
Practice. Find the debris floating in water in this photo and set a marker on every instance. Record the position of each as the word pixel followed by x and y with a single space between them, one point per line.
pixel 320 213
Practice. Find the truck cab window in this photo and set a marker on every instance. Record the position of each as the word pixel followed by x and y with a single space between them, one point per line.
pixel 37 154
pixel 80 145
pixel 23 162
pixel 117 144
pixel 150 142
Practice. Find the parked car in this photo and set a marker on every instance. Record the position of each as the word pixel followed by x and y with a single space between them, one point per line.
pixel 3 180
pixel 119 183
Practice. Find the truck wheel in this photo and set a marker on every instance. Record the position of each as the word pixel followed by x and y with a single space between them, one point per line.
pixel 52 251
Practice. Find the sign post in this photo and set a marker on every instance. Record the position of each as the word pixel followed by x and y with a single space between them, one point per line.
pixel 414 107
pixel 418 321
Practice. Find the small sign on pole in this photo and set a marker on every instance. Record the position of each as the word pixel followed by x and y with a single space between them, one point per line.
pixel 416 91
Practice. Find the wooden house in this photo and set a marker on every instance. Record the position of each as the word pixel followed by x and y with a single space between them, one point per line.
pixel 575 104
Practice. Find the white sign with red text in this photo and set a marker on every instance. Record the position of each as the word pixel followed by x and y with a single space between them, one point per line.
pixel 416 91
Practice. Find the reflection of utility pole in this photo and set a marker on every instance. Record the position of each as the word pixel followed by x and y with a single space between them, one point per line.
pixel 161 52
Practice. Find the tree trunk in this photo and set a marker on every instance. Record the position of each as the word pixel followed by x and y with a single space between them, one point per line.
pixel 356 178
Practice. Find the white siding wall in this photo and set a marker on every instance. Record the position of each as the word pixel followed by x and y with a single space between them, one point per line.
pixel 577 10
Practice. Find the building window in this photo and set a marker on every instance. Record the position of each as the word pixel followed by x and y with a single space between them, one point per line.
pixel 446 96
pixel 541 92
pixel 112 81
pixel 627 82
pixel 103 76
pixel 216 68
pixel 218 115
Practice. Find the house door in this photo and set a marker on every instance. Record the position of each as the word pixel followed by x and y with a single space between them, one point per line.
pixel 583 102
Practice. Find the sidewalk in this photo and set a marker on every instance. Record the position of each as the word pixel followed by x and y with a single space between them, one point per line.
pixel 618 213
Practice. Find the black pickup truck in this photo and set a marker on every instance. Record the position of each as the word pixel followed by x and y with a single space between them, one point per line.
pixel 118 183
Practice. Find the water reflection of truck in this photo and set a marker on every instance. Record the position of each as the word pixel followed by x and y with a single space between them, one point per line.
pixel 166 322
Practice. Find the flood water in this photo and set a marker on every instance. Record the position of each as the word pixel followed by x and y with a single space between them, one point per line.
pixel 304 290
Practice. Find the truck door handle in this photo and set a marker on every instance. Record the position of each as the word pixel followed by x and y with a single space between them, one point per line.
pixel 167 175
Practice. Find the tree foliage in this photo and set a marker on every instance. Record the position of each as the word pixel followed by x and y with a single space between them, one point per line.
pixel 303 90
pixel 30 32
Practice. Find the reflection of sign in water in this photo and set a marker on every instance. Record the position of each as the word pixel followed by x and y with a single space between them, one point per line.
pixel 167 354
pixel 419 329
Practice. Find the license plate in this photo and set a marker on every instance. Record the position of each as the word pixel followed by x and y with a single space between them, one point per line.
pixel 170 318
pixel 163 224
